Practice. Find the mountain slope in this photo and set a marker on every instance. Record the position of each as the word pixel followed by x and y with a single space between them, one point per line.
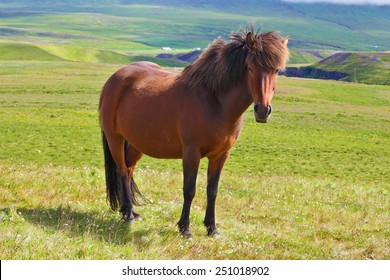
pixel 189 24
pixel 24 52
pixel 50 52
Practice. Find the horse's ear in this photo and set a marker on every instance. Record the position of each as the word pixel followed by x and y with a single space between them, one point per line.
pixel 250 40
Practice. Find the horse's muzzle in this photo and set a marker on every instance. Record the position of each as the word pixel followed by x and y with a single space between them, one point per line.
pixel 262 112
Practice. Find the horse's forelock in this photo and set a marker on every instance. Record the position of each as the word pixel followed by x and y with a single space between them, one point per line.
pixel 269 49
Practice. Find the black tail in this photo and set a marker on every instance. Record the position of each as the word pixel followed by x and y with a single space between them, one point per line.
pixel 114 192
pixel 114 184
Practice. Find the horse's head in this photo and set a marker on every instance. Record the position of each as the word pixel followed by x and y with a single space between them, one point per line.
pixel 267 55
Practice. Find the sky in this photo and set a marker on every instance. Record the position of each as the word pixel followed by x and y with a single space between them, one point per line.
pixel 372 2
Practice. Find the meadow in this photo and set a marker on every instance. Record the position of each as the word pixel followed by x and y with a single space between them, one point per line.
pixel 313 183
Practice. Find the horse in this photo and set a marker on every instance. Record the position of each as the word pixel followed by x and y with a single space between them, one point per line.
pixel 195 114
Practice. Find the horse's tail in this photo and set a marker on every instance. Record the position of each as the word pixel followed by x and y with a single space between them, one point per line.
pixel 114 193
pixel 114 185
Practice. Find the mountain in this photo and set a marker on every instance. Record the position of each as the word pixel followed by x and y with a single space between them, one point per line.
pixel 190 24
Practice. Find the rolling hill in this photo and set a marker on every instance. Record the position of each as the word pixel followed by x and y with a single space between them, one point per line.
pixel 52 52
pixel 361 67
pixel 189 24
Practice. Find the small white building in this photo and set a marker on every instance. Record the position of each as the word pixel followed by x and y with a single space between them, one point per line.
pixel 166 48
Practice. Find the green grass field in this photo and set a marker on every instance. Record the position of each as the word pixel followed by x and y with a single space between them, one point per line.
pixel 313 183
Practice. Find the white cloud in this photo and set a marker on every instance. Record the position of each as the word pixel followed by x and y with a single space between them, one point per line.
pixel 345 2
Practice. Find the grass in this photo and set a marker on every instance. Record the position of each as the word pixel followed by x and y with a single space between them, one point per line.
pixel 311 184
pixel 278 222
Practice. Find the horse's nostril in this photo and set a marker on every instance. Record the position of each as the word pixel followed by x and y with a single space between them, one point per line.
pixel 263 110
pixel 269 110
pixel 256 108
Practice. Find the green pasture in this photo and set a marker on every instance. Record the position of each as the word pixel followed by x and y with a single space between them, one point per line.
pixel 313 183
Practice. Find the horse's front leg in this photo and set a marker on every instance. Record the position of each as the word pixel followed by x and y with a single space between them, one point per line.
pixel 191 161
pixel 213 174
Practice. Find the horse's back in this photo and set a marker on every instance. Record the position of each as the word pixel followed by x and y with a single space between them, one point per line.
pixel 140 79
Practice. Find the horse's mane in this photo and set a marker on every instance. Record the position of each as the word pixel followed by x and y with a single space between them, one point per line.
pixel 224 64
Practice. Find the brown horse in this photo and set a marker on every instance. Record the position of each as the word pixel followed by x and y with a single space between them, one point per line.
pixel 145 109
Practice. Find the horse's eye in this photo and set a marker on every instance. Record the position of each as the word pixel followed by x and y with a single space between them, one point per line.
pixel 277 71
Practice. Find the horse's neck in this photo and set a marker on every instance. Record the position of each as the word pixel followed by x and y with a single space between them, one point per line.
pixel 235 101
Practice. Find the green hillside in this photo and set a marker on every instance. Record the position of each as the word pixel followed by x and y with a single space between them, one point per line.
pixel 360 67
pixel 370 68
pixel 123 31
pixel 24 52
pixel 51 52
pixel 188 24
pixel 307 56
pixel 85 55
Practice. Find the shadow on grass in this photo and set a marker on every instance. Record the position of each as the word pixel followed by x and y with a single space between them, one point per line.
pixel 106 227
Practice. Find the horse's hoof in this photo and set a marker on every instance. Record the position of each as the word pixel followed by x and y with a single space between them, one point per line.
pixel 137 216
pixel 213 232
pixel 186 233
pixel 131 217
pixel 128 219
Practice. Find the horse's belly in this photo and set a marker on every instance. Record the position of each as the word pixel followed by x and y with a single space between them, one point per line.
pixel 152 135
pixel 158 146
